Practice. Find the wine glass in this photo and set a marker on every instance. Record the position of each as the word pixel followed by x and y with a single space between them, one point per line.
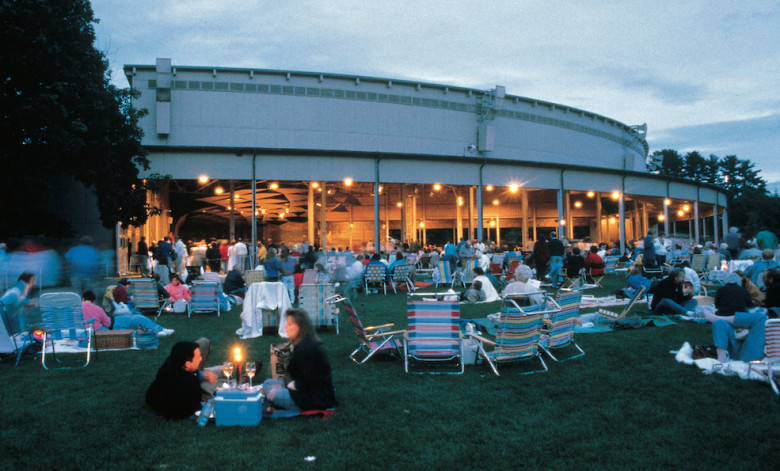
pixel 251 369
pixel 227 370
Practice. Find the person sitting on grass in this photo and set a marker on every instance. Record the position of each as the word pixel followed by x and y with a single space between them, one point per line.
pixel 177 290
pixel 635 281
pixel 307 384
pixel 731 302
pixel 671 297
pixel 756 296
pixel 128 321
pixel 488 290
pixel 772 299
pixel 176 391
pixel 234 284
pixel 594 263
pixel 474 294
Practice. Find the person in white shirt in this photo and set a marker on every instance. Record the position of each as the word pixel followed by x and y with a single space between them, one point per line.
pixel 240 252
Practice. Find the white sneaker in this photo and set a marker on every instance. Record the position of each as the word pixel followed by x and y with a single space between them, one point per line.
pixel 165 332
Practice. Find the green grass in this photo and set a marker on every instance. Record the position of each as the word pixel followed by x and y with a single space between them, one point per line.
pixel 626 404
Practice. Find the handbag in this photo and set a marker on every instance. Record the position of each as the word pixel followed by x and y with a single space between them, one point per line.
pixel 280 360
pixel 704 351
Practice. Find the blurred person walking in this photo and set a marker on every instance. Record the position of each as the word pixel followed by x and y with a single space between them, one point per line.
pixel 83 263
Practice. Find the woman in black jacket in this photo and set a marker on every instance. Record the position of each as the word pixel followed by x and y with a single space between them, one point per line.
pixel 307 384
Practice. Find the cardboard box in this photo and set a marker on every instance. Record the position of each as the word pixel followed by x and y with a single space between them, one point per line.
pixel 238 407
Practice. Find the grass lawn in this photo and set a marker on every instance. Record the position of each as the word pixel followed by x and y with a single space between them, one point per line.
pixel 626 404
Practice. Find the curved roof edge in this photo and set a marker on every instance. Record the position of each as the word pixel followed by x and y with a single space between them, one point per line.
pixel 130 70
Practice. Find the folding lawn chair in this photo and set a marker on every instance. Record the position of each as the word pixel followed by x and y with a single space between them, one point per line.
pixel 205 298
pixel 772 350
pixel 561 328
pixel 372 339
pixel 211 277
pixel 445 273
pixel 577 283
pixel 375 275
pixel 145 296
pixel 517 338
pixel 433 334
pixel 11 342
pixel 313 300
pixel 465 276
pixel 401 275
pixel 638 294
pixel 61 314
pixel 699 263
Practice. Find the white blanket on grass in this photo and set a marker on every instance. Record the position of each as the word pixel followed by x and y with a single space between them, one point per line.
pixel 711 365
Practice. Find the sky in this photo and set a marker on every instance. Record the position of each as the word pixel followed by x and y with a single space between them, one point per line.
pixel 703 75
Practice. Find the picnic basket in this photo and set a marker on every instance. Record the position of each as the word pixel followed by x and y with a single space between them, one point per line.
pixel 113 339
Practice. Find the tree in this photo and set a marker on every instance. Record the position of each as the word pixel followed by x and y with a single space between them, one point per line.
pixel 739 175
pixel 694 166
pixel 61 117
pixel 666 162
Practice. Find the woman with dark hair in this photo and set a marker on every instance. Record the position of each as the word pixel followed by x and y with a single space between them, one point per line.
pixel 594 263
pixel 307 384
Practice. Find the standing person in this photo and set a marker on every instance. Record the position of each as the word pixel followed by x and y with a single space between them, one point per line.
pixel 556 258
pixel 181 255
pixel 224 256
pixel 766 239
pixel 308 384
pixel 83 263
pixel 271 265
pixel 14 301
pixel 659 245
pixel 240 251
pixel 176 391
pixel 164 251
pixel 734 240
pixel 649 259
pixel 541 255
pixel 287 270
pixel 143 257
pixel 732 301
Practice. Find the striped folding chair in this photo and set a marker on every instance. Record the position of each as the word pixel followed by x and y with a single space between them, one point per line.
pixel 375 275
pixel 61 315
pixel 145 296
pixel 610 265
pixel 510 271
pixel 433 334
pixel 465 275
pixel 699 263
pixel 373 339
pixel 312 300
pixel 517 338
pixel 445 272
pixel 205 298
pixel 562 323
pixel 772 350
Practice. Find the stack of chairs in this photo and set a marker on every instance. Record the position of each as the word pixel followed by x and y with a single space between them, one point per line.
pixel 433 335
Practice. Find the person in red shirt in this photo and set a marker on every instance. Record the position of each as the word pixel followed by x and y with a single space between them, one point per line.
pixel 223 253
pixel 594 263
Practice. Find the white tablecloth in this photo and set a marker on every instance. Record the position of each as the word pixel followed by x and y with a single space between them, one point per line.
pixel 743 265
pixel 259 296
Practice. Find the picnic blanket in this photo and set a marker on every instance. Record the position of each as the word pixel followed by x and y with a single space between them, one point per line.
pixel 711 365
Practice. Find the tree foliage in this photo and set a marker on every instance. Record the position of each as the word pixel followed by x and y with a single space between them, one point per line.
pixel 62 117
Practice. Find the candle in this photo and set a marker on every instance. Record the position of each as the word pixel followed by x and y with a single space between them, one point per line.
pixel 237 354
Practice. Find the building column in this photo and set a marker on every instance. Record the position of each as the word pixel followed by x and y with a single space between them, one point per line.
pixel 666 217
pixel 622 222
pixel 599 236
pixel 524 238
pixel 569 218
pixel 560 229
pixel 310 214
pixel 403 213
pixel 232 187
pixel 696 220
pixel 715 224
pixel 471 212
pixel 323 218
pixel 458 216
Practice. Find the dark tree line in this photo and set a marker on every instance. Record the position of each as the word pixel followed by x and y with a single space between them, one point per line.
pixel 61 118
pixel 750 206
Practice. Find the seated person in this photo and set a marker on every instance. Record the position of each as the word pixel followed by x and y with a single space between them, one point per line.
pixel 691 276
pixel 474 294
pixel 523 283
pixel 323 275
pixel 750 252
pixel 731 302
pixel 772 299
pixel 176 391
pixel 128 321
pixel 725 253
pixel 177 290
pixel 161 291
pixel 756 271
pixel 14 302
pixel 486 285
pixel 756 296
pixel 234 283
pixel 594 263
pixel 121 295
pixel 400 259
pixel 308 384
pixel 376 259
pixel 574 263
pixel 671 297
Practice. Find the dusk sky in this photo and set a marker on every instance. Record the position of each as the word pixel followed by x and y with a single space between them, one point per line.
pixel 703 75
